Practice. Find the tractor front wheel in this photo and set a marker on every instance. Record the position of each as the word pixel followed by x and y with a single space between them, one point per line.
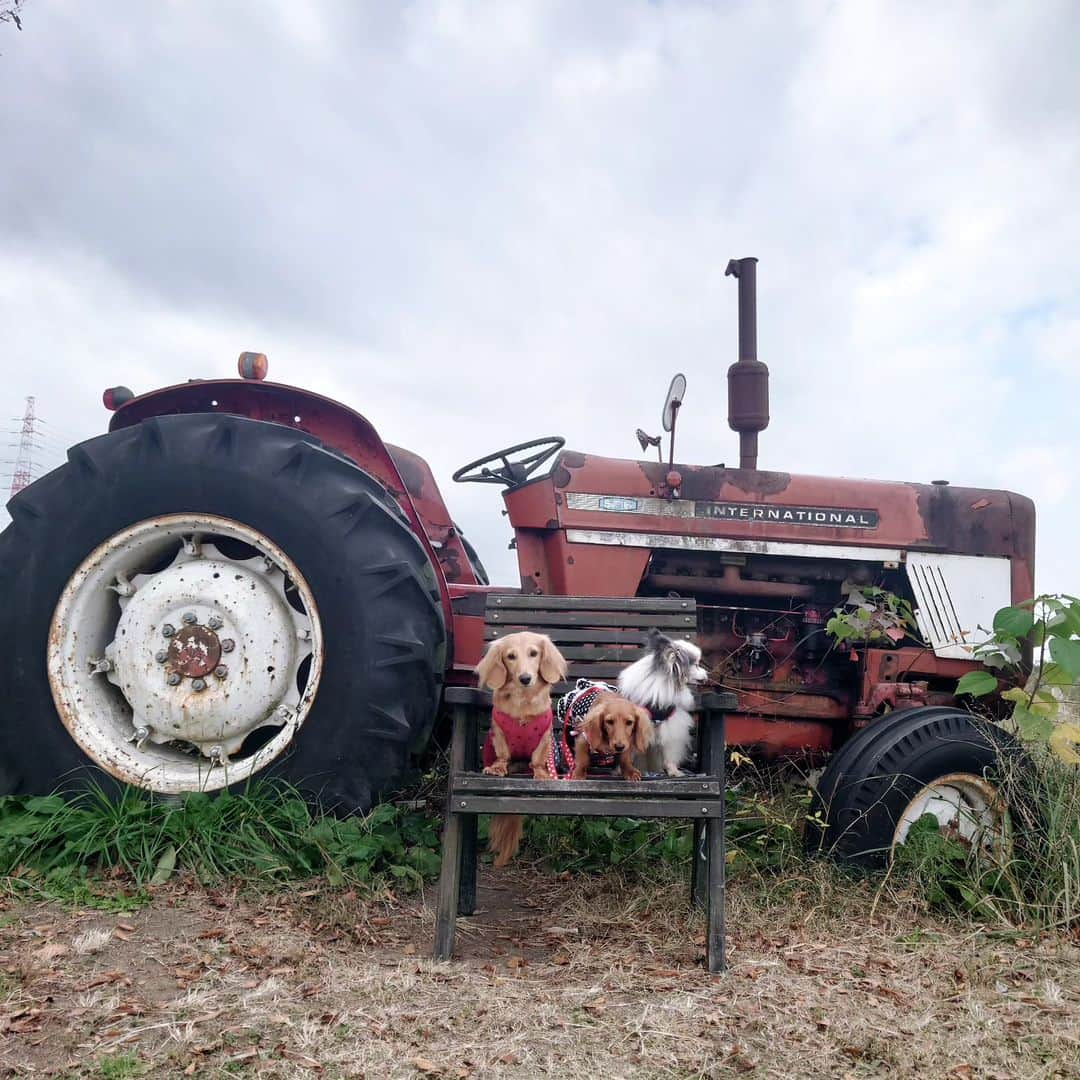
pixel 200 599
pixel 908 764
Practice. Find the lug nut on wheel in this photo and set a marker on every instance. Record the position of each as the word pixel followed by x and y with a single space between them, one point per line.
pixel 227 644
pixel 161 656
pixel 173 679
pixel 198 684
pixel 214 622
pixel 221 671
pixel 189 617
pixel 168 630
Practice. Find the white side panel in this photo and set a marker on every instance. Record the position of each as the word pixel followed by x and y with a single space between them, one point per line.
pixel 956 598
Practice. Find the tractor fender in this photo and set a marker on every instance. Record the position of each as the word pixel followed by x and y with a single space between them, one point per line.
pixel 333 424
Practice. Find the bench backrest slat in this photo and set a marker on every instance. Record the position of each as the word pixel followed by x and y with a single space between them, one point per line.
pixel 598 636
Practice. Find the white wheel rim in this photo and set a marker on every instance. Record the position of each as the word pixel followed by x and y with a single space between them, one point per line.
pixel 175 642
pixel 967 808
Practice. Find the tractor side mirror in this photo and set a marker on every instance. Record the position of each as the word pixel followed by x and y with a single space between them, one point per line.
pixel 673 401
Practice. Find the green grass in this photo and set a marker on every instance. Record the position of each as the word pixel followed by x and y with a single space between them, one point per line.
pixel 62 846
pixel 96 851
pixel 1033 880
pixel 120 1067
pixel 765 816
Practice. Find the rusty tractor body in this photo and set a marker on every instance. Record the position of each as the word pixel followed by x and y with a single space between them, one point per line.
pixel 764 553
pixel 767 555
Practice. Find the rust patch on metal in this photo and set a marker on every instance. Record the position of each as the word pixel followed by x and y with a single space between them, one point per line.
pixel 951 526
pixel 195 651
pixel 572 459
pixel 709 481
pixel 561 477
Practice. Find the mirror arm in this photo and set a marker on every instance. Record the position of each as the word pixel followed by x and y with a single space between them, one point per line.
pixel 675 406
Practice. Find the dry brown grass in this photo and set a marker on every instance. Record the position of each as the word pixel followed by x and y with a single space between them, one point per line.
pixel 585 976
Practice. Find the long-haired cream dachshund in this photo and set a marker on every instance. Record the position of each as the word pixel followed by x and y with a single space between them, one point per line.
pixel 520 670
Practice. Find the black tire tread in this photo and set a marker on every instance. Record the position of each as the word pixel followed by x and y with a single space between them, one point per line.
pixel 375 701
pixel 872 778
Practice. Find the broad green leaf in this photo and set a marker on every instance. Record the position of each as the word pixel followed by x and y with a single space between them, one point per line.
pixel 1065 742
pixel 1013 622
pixel 977 684
pixel 1066 652
pixel 1044 708
pixel 1032 728
pixel 165 866
pixel 1051 674
pixel 1016 693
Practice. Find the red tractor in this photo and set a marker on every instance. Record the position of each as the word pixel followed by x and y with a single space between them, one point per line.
pixel 242 577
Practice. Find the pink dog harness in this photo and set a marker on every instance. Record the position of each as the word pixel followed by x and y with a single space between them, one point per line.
pixel 523 739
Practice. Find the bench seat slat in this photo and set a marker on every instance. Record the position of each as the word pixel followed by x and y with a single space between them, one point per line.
pixel 684 787
pixel 631 806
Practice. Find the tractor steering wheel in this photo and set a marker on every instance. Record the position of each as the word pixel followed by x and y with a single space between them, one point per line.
pixel 510 473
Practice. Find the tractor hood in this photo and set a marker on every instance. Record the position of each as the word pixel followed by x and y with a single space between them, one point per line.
pixel 618 503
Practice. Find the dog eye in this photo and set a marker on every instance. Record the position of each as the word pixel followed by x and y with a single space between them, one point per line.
pixel 533 652
pixel 511 656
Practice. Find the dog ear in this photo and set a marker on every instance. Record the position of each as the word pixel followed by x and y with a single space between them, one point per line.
pixel 593 726
pixel 552 663
pixel 491 671
pixel 643 730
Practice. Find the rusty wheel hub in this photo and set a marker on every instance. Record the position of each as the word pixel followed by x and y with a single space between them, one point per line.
pixel 194 652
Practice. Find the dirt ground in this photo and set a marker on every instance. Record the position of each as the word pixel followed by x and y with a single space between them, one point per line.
pixel 558 976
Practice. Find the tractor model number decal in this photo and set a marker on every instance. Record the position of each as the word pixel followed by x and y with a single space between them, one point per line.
pixel 789 515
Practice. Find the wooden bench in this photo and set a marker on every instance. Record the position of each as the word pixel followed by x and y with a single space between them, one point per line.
pixel 598 636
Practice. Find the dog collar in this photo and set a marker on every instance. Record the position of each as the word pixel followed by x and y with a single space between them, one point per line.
pixel 658 715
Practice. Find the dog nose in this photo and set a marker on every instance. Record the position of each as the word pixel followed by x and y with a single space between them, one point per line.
pixel 524 679
pixel 619 747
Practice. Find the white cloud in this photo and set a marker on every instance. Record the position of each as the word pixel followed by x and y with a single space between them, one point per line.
pixel 480 222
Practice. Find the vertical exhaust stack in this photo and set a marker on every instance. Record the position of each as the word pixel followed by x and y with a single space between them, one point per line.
pixel 748 377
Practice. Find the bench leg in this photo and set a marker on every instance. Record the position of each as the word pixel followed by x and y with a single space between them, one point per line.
pixel 713 753
pixel 698 867
pixel 714 838
pixel 449 887
pixel 452 847
pixel 467 890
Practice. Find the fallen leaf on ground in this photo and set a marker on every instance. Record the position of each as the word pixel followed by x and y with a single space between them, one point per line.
pixel 429 1068
pixel 299 1059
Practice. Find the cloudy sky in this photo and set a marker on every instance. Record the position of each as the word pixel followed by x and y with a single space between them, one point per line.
pixel 481 222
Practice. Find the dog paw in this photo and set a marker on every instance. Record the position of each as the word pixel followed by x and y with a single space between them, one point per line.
pixel 498 768
pixel 673 770
pixel 631 774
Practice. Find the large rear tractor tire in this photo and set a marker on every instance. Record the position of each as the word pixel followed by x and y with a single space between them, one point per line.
pixel 201 599
pixel 932 760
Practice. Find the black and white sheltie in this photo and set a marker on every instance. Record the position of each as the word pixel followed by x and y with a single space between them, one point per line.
pixel 661 681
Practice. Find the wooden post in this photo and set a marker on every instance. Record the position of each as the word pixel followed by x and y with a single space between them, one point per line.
pixel 698 866
pixel 714 840
pixel 469 822
pixel 450 875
